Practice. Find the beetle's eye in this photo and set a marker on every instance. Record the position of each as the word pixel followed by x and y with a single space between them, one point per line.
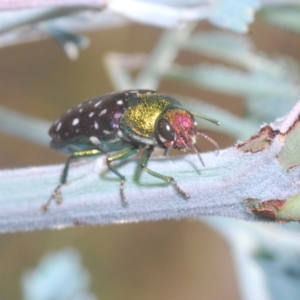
pixel 165 130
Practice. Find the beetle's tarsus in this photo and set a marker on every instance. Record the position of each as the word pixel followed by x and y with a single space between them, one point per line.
pixel 123 198
pixel 179 190
pixel 56 195
pixel 44 207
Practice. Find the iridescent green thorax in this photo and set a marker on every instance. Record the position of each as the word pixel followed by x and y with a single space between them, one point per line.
pixel 142 113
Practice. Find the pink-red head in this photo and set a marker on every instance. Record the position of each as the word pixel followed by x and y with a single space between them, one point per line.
pixel 176 128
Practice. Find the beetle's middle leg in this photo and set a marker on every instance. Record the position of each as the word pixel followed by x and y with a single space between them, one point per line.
pixel 144 160
pixel 122 154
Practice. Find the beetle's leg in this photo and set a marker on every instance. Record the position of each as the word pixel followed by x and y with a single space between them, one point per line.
pixel 144 160
pixel 56 194
pixel 166 153
pixel 125 153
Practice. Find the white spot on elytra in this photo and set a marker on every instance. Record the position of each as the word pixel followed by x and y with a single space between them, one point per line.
pixel 102 112
pixel 120 133
pixel 69 110
pixel 95 140
pixel 91 114
pixel 77 130
pixel 75 122
pixel 96 125
pixel 79 105
pixel 107 131
pixel 120 102
pixel 58 126
pixel 98 103
pixel 80 110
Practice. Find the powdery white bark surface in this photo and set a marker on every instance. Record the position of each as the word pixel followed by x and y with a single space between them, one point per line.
pixel 219 189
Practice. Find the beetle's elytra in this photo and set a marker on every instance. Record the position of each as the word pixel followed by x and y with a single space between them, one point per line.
pixel 120 124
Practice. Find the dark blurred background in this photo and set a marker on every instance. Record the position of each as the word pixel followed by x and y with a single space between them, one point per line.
pixel 162 260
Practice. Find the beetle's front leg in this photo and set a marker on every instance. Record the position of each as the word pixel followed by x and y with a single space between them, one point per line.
pixel 144 160
pixel 56 194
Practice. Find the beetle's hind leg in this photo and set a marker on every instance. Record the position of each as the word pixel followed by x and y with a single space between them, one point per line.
pixel 125 153
pixel 144 160
pixel 56 194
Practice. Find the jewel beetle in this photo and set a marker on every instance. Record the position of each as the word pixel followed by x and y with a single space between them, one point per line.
pixel 120 124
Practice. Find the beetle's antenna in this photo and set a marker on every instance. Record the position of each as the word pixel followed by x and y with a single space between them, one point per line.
pixel 189 143
pixel 216 122
pixel 209 139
